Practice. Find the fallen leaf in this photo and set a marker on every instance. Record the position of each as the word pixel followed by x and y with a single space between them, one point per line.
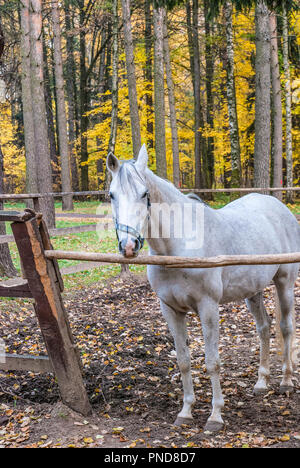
pixel 145 429
pixel 88 440
pixel 284 438
pixel 117 430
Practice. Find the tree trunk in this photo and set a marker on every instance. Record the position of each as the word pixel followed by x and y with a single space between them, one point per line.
pixel 114 80
pixel 50 120
pixel 84 96
pixel 67 200
pixel 103 177
pixel 171 95
pixel 288 106
pixel 132 92
pixel 31 166
pixel 114 89
pixel 148 74
pixel 6 265
pixel 200 156
pixel 114 94
pixel 277 108
pixel 262 97
pixel 43 164
pixel 209 75
pixel 190 40
pixel 2 41
pixel 236 172
pixel 71 92
pixel 159 95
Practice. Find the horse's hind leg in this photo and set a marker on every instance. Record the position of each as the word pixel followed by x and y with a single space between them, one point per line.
pixel 285 290
pixel 263 323
pixel 209 315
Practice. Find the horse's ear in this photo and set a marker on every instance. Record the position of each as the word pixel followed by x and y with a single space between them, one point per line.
pixel 112 163
pixel 142 159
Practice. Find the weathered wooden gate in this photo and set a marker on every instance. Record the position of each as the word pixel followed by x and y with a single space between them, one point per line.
pixel 42 282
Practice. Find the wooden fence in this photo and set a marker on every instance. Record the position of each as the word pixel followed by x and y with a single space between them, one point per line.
pixel 43 283
pixel 35 197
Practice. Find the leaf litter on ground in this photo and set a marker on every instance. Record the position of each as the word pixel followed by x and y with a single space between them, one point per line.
pixel 133 381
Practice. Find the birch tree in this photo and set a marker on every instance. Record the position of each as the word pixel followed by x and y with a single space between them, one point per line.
pixel 148 73
pixel 262 96
pixel 172 107
pixel 114 93
pixel 31 173
pixel 130 67
pixel 159 92
pixel 231 100
pixel 50 117
pixel 193 39
pixel 288 104
pixel 71 93
pixel 209 76
pixel 277 107
pixel 114 86
pixel 83 98
pixel 67 200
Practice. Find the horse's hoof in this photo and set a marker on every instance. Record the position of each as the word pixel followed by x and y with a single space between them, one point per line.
pixel 180 421
pixel 213 426
pixel 259 391
pixel 286 389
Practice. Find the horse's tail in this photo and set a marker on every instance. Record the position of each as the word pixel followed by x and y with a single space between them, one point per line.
pixel 278 334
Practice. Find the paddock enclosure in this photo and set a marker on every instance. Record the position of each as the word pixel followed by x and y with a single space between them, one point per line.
pixel 122 382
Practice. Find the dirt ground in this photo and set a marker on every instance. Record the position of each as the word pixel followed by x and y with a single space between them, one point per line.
pixel 133 381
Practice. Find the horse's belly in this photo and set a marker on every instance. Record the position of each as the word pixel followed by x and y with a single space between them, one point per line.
pixel 246 281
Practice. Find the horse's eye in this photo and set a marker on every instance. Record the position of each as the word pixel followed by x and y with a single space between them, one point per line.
pixel 145 195
pixel 111 196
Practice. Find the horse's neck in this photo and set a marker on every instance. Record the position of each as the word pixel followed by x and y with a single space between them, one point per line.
pixel 162 191
pixel 165 194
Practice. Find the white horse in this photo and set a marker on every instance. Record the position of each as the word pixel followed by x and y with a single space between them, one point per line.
pixel 253 224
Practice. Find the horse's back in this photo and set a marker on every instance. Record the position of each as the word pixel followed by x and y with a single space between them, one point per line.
pixel 264 220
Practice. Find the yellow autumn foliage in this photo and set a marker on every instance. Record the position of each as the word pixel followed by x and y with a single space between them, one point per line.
pixel 244 53
pixel 14 158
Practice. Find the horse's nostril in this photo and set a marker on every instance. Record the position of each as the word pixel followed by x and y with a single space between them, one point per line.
pixel 136 245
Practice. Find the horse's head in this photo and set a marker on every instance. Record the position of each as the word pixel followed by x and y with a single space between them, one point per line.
pixel 130 201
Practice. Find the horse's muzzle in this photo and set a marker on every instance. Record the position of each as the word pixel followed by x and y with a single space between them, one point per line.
pixel 129 247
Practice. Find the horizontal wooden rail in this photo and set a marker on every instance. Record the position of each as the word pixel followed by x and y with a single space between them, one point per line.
pixel 178 262
pixel 16 287
pixel 27 362
pixel 67 231
pixel 243 190
pixel 28 196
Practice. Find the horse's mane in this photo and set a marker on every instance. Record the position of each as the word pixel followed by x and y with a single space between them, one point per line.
pixel 193 196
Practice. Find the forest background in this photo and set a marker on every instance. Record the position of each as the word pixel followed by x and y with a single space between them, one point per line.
pixel 211 87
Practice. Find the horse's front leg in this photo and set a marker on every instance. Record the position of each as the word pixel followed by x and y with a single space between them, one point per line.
pixel 177 325
pixel 209 315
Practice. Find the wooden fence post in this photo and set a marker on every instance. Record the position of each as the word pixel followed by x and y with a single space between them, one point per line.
pixel 45 287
